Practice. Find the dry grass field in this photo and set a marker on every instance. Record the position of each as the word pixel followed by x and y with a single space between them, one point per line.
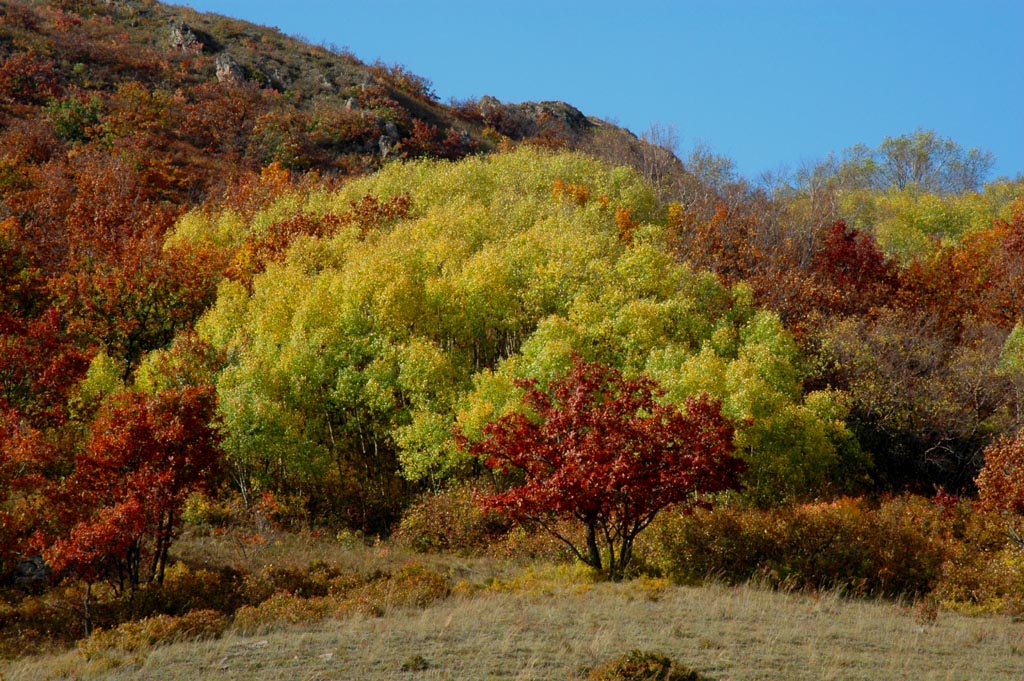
pixel 550 622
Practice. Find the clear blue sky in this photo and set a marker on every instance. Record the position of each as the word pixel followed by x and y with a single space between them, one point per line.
pixel 768 83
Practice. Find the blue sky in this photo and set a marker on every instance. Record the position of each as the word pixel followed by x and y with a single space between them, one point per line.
pixel 769 83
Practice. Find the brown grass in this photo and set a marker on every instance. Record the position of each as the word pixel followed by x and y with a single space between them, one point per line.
pixel 548 623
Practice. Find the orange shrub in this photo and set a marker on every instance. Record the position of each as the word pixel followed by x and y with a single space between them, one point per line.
pixel 449 521
pixel 895 549
pixel 151 631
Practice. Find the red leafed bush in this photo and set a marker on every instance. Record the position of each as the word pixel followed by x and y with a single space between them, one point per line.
pixel 28 78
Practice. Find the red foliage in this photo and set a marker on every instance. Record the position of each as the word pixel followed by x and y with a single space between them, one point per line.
pixel 980 280
pixel 400 78
pixel 121 504
pixel 853 266
pixel 368 214
pixel 577 193
pixel 39 365
pixel 28 78
pixel 602 450
pixel 1001 481
pixel 140 299
pixel 25 456
pixel 371 213
pixel 87 206
pixel 426 140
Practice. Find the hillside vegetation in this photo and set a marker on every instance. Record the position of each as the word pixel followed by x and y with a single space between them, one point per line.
pixel 253 286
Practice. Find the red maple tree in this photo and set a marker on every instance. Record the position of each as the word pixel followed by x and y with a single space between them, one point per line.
pixel 119 509
pixel 601 449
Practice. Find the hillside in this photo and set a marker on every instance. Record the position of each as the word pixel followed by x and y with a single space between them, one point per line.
pixel 257 293
pixel 206 97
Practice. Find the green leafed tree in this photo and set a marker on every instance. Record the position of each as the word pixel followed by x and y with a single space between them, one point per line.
pixel 350 358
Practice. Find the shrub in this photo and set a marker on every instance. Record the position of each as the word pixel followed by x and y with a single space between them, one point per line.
pixel 416 663
pixel 985 570
pixel 145 633
pixel 1001 483
pixel 524 543
pixel 449 521
pixel 186 589
pixel 639 665
pixel 893 550
pixel 281 609
pixel 413 586
pixel 976 582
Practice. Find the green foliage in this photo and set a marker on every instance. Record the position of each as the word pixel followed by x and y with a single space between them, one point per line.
pixel 359 343
pixel 75 119
pixel 359 351
pixel 641 665
pixel 1011 358
pixel 908 224
pixel 102 379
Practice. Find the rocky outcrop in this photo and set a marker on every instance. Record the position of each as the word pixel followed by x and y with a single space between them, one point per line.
pixel 183 38
pixel 531 119
pixel 228 70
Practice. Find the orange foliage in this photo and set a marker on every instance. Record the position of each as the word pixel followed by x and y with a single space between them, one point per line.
pixel 577 193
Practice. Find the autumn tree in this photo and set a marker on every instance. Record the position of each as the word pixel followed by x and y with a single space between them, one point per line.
pixel 118 512
pixel 601 449
pixel 931 162
pixel 1001 483
pixel 407 302
pixel 925 400
pixel 860 276
pixel 25 457
pixel 137 300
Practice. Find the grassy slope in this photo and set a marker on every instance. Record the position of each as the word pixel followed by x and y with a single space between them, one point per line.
pixel 547 629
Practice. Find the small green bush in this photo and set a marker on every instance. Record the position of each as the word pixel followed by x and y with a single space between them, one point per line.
pixel 416 663
pixel 639 665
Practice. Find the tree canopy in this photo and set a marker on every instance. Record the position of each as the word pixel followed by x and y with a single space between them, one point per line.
pixel 354 353
pixel 600 449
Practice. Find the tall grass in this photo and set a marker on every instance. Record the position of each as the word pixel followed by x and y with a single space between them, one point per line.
pixel 551 623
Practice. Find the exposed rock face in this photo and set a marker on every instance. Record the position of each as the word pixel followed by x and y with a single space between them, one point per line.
pixel 228 70
pixel 532 118
pixel 389 139
pixel 183 38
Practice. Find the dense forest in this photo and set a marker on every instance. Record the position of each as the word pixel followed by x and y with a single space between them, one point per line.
pixel 245 277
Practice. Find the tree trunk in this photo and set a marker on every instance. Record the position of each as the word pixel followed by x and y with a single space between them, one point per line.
pixel 87 609
pixel 625 555
pixel 593 552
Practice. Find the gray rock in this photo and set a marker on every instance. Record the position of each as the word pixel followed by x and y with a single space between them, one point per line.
pixel 183 38
pixel 228 70
pixel 530 118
